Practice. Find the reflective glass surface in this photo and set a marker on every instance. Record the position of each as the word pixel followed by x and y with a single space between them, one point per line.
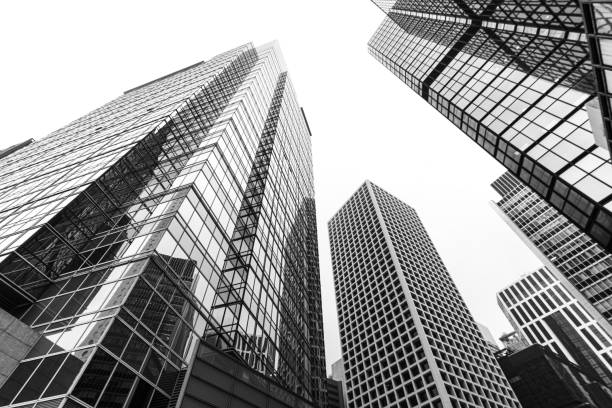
pixel 124 239
pixel 517 77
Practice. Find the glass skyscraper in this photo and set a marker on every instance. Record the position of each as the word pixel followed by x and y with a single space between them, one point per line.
pixel 523 80
pixel 165 244
pixel 408 339
pixel 553 238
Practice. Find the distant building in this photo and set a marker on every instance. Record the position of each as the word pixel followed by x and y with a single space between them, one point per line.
pixel 543 379
pixel 488 337
pixel 553 238
pixel 408 339
pixel 338 374
pixel 548 311
pixel 514 342
pixel 335 396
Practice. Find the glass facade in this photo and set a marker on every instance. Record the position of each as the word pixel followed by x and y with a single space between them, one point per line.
pixel 179 215
pixel 598 27
pixel 517 78
pixel 407 336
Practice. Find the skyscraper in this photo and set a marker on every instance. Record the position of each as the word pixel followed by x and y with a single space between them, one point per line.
pixel 335 397
pixel 517 78
pixel 553 238
pixel 166 241
pixel 546 310
pixel 407 337
pixel 338 374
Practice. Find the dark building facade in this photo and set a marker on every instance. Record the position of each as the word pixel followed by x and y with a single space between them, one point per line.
pixel 335 396
pixel 518 78
pixel 338 374
pixel 407 336
pixel 543 379
pixel 165 232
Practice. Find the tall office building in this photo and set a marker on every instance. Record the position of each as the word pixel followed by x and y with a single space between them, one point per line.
pixel 407 337
pixel 553 238
pixel 339 374
pixel 161 250
pixel 517 78
pixel 547 310
pixel 335 397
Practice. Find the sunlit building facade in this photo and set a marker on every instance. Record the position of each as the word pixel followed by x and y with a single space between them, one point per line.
pixel 338 374
pixel 518 78
pixel 166 235
pixel 546 310
pixel 407 336
pixel 553 238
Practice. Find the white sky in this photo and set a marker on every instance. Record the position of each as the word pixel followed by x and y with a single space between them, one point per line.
pixel 62 59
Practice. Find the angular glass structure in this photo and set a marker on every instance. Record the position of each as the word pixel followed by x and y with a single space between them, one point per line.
pixel 517 77
pixel 555 239
pixel 168 237
pixel 407 336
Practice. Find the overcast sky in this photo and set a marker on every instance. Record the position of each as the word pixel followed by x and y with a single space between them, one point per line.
pixel 62 59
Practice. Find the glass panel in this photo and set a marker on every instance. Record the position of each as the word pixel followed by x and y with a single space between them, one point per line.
pixel 605 46
pixel 95 376
pixel 603 17
pixel 16 381
pixel 65 376
pixel 118 388
pixel 39 381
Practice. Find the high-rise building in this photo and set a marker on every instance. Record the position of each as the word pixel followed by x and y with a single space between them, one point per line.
pixel 547 310
pixel 407 337
pixel 554 238
pixel 339 374
pixel 161 250
pixel 543 379
pixel 337 382
pixel 517 78
pixel 335 396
